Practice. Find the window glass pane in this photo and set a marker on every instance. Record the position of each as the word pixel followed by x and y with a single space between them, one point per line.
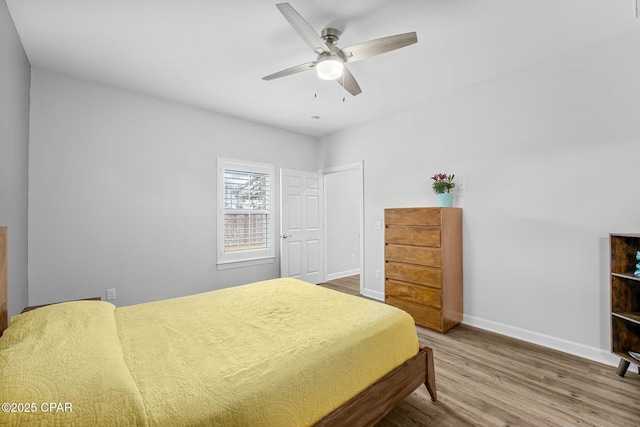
pixel 245 232
pixel 246 210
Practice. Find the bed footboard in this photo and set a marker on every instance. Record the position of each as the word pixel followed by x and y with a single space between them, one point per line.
pixel 370 406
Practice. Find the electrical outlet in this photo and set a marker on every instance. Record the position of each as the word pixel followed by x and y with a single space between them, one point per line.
pixel 461 184
pixel 378 225
pixel 377 274
pixel 111 294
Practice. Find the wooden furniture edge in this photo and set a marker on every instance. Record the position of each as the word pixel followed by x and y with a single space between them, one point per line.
pixel 4 284
pixel 374 402
pixel 452 268
pixel 33 307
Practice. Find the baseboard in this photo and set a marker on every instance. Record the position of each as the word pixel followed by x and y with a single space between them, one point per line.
pixel 576 349
pixel 340 275
pixel 377 295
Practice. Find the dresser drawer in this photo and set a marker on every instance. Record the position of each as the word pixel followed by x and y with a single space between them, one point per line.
pixel 420 255
pixel 428 317
pixel 421 235
pixel 427 276
pixel 412 216
pixel 415 293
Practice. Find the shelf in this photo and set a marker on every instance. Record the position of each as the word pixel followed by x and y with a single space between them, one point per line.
pixel 631 317
pixel 625 297
pixel 630 235
pixel 626 276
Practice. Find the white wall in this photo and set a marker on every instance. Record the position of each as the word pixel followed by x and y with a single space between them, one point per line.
pixel 122 191
pixel 14 150
pixel 550 157
pixel 342 222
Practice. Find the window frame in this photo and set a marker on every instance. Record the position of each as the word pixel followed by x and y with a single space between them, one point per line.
pixel 248 257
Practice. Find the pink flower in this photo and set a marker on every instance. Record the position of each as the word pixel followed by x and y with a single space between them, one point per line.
pixel 443 183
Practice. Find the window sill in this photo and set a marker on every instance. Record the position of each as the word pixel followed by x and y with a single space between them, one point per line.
pixel 226 265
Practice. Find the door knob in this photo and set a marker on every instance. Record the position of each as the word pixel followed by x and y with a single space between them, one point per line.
pixel 284 236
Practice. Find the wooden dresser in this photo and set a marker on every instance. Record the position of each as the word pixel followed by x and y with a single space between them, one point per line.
pixel 423 264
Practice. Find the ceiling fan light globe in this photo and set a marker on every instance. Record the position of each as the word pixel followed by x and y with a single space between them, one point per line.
pixel 330 68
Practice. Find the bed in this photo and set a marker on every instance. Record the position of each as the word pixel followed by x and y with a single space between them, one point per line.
pixel 278 352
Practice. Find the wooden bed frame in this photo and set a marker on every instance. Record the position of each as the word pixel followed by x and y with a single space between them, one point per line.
pixel 374 402
pixel 364 409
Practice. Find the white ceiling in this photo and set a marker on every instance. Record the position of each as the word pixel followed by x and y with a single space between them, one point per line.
pixel 212 53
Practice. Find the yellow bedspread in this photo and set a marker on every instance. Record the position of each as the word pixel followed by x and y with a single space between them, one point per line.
pixel 274 353
pixel 63 365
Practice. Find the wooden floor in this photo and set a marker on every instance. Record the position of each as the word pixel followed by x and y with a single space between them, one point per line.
pixel 486 379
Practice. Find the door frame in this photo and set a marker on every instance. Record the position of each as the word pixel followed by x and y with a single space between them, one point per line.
pixel 359 167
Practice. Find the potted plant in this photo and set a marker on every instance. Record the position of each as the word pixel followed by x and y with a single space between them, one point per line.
pixel 442 186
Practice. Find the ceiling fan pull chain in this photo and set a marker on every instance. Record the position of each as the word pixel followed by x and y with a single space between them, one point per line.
pixel 344 96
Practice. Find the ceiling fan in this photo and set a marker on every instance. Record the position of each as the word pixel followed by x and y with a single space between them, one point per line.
pixel 331 60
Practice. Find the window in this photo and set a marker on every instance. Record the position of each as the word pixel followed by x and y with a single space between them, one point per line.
pixel 245 220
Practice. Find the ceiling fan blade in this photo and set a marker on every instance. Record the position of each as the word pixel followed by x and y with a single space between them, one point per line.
pixel 302 27
pixel 349 82
pixel 378 46
pixel 293 70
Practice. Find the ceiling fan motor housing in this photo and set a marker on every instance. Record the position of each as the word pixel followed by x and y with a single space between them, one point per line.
pixel 330 35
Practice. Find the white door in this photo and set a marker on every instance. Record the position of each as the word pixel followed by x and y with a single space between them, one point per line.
pixel 301 226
